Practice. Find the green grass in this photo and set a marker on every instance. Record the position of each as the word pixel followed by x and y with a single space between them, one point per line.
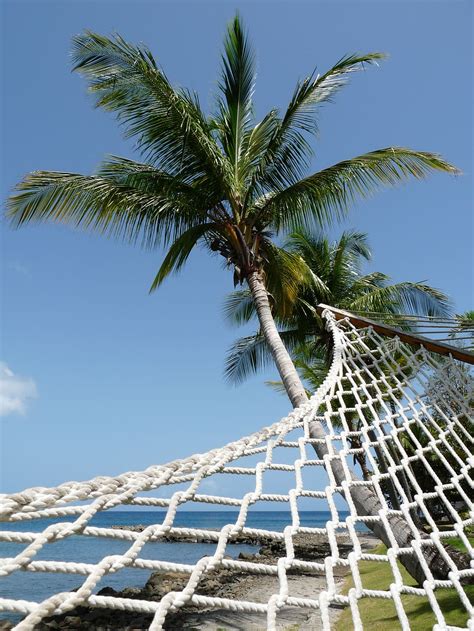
pixel 457 543
pixel 380 615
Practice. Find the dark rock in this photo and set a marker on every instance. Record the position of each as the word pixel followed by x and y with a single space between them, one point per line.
pixel 107 591
pixel 72 622
pixel 161 583
pixel 131 592
pixel 247 556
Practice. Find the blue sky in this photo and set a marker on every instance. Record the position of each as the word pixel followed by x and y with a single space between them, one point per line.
pixel 114 379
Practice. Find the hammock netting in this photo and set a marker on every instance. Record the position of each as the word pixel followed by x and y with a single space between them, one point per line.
pixel 397 411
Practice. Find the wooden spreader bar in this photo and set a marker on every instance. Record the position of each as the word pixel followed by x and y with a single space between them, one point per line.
pixel 408 338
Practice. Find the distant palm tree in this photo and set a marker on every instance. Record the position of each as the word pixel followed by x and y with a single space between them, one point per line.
pixel 463 331
pixel 465 320
pixel 223 181
pixel 335 278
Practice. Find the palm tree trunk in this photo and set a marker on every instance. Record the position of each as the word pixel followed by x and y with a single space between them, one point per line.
pixel 391 489
pixel 364 498
pixel 402 475
pixel 366 502
pixel 288 373
pixel 362 460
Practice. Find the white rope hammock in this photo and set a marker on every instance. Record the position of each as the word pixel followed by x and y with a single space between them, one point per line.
pixel 391 403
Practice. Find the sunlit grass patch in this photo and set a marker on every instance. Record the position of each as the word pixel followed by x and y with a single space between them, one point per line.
pixel 380 613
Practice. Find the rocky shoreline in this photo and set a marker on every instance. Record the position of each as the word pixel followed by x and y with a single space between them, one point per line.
pixel 250 539
pixel 222 583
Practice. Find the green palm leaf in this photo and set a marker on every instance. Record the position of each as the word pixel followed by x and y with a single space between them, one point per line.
pixel 180 250
pixel 239 307
pixel 94 203
pixel 132 203
pixel 287 155
pixel 237 87
pixel 170 127
pixel 405 297
pixel 286 273
pixel 325 195
pixel 250 354
pixel 465 321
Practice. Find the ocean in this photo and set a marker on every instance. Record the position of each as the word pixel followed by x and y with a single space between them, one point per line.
pixel 36 586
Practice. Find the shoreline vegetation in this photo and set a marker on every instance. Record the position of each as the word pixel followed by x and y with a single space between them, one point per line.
pixel 377 614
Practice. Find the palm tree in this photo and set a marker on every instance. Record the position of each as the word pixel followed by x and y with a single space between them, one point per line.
pixel 224 181
pixel 464 330
pixel 335 278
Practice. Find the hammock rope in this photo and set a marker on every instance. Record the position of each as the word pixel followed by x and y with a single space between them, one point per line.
pixel 396 405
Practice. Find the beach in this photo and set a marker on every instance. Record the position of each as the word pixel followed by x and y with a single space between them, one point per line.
pixel 225 583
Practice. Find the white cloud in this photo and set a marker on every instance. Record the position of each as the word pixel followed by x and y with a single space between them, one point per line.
pixel 15 391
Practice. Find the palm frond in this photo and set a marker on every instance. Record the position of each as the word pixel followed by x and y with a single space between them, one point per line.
pixel 324 196
pixel 277 386
pixel 317 89
pixel 170 128
pixel 256 143
pixel 288 153
pixel 354 245
pixel 313 370
pixel 368 282
pixel 250 354
pixel 314 248
pixel 464 326
pixel 104 205
pixel 465 321
pixel 239 307
pixel 405 297
pixel 237 87
pixel 333 266
pixel 179 252
pixel 147 178
pixel 286 274
pixel 346 256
